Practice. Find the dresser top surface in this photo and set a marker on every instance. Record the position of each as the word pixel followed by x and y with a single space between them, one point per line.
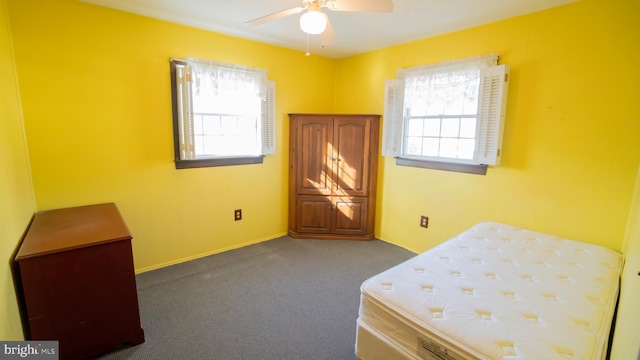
pixel 65 229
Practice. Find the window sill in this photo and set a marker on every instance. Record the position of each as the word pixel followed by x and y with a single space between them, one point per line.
pixel 199 163
pixel 436 165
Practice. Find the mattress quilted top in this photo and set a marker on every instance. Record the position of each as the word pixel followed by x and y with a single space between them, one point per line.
pixel 507 293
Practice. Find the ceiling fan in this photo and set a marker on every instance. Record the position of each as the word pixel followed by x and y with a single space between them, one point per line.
pixel 314 21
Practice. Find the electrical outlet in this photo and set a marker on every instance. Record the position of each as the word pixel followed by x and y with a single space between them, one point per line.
pixel 424 221
pixel 237 214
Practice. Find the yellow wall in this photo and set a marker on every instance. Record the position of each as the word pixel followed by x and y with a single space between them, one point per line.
pixel 626 343
pixel 16 197
pixel 95 88
pixel 570 151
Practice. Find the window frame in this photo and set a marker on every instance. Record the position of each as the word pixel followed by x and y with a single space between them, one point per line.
pixel 267 124
pixel 492 93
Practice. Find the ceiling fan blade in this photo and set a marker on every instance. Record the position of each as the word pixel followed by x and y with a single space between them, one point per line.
pixel 361 5
pixel 275 16
pixel 328 37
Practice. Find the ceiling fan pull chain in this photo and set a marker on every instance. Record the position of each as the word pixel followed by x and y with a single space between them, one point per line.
pixel 308 53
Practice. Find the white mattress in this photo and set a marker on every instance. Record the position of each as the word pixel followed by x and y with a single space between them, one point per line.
pixel 493 292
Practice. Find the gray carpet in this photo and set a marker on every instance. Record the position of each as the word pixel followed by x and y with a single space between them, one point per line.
pixel 280 299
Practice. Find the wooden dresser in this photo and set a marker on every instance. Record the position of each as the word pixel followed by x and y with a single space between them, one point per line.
pixel 78 283
pixel 333 161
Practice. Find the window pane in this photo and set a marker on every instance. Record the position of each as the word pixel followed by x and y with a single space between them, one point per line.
pixel 454 106
pixel 249 139
pixel 208 147
pixel 218 135
pixel 229 125
pixel 414 146
pixel 432 127
pixel 470 106
pixel 449 148
pixel 223 145
pixel 198 143
pixel 418 108
pixel 450 127
pixel 247 124
pixel 210 125
pixel 466 148
pixel 435 106
pixel 226 135
pixel 415 127
pixel 430 146
pixel 468 127
pixel 197 124
pixel 226 126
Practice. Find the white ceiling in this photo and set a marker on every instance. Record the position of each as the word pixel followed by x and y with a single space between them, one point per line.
pixel 356 32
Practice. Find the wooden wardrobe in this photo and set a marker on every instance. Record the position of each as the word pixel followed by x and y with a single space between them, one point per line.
pixel 333 163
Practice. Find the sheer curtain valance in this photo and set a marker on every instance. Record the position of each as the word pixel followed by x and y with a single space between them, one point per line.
pixel 445 82
pixel 224 79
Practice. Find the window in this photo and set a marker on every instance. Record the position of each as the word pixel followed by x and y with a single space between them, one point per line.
pixel 223 114
pixel 447 116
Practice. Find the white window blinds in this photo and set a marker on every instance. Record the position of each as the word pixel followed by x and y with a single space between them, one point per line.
pixel 492 105
pixel 393 117
pixel 269 120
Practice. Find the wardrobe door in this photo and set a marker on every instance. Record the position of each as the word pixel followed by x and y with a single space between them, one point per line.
pixel 351 138
pixel 314 214
pixel 349 215
pixel 313 151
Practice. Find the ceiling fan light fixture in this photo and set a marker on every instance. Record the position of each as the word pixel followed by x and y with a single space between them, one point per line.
pixel 313 22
